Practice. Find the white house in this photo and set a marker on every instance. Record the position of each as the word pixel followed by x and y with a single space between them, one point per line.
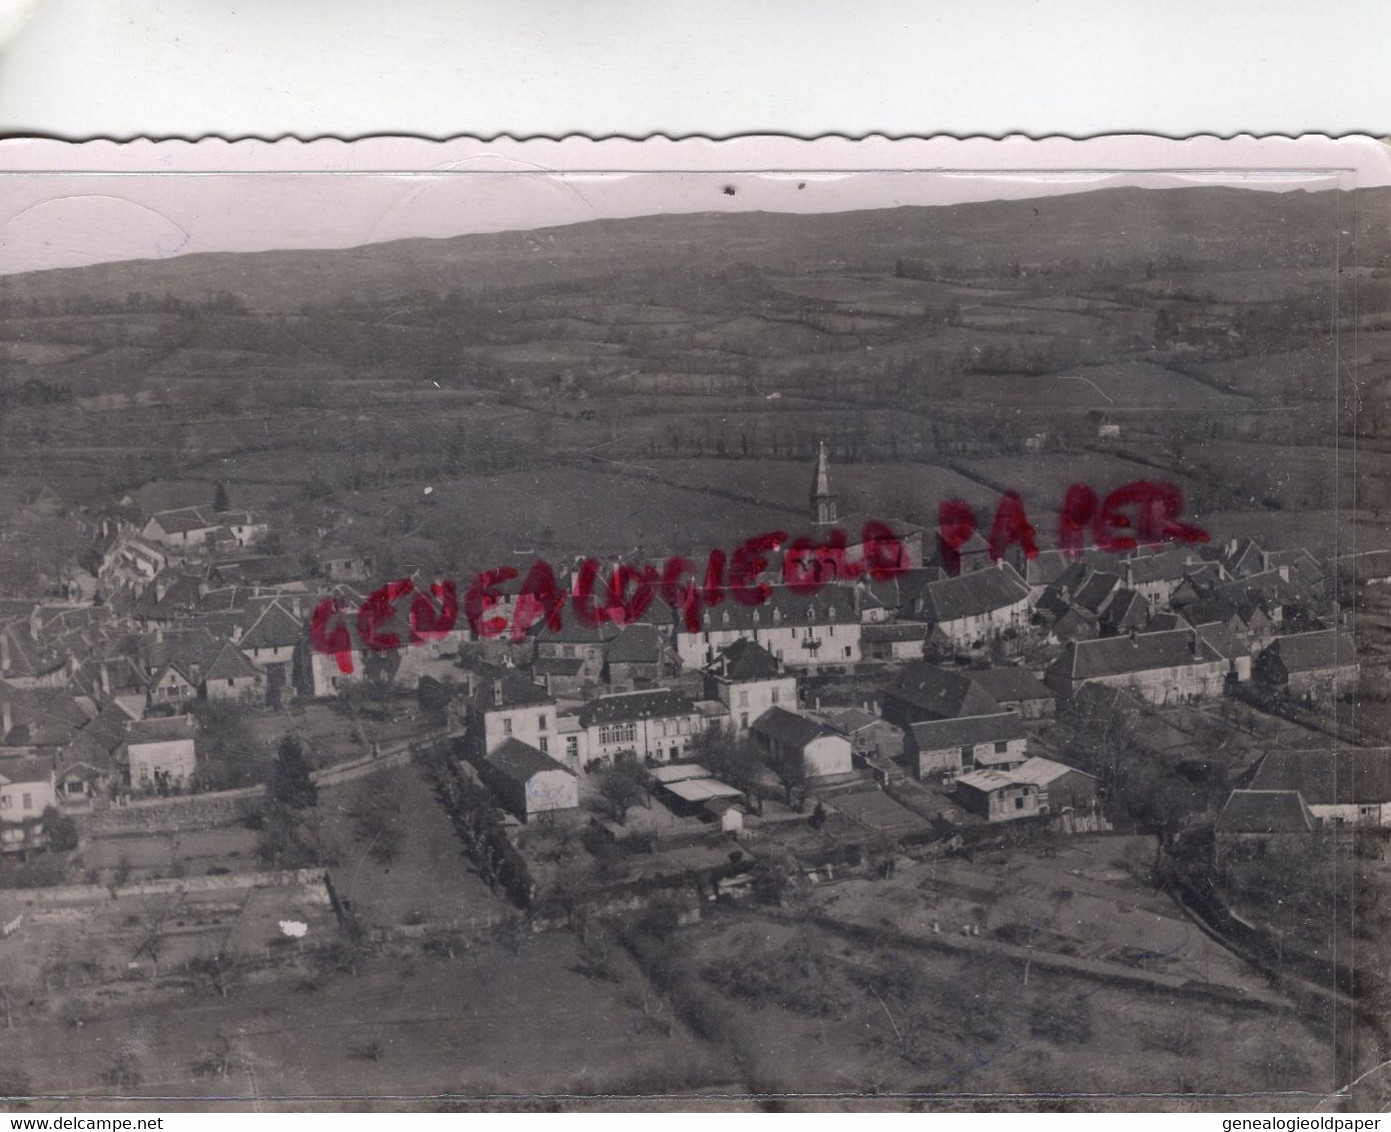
pixel 510 706
pixel 528 781
pixel 803 632
pixel 26 790
pixel 748 680
pixel 160 752
pixel 787 736
pixel 657 724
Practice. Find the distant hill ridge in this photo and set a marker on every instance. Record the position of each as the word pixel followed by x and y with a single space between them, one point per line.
pixel 1211 227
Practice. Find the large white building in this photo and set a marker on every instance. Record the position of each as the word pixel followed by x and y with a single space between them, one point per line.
pixel 803 632
pixel 657 724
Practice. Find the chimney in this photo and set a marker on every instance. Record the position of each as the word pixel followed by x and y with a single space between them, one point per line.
pixel 497 693
pixel 6 719
pixel 1193 641
pixel 5 656
pixel 105 679
pixel 1132 635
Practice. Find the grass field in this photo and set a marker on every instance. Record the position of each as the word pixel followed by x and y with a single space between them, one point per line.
pixel 965 1030
pixel 427 880
pixel 497 1019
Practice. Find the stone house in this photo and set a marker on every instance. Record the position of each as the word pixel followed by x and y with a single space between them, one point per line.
pixel 1170 667
pixel 941 750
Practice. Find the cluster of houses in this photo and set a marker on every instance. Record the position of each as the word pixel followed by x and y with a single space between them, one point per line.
pixel 200 605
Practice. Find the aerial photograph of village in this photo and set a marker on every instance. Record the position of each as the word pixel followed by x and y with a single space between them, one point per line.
pixel 922 658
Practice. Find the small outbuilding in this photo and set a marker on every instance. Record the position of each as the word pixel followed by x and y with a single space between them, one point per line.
pixel 529 782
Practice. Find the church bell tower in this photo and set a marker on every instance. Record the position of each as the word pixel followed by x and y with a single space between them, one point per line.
pixel 823 501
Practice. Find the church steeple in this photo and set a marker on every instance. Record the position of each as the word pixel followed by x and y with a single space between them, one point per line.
pixel 823 501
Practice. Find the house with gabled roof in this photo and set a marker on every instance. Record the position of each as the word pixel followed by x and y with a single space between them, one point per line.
pixel 1095 594
pixel 182 527
pixel 527 781
pixel 174 684
pixel 940 750
pixel 657 724
pixel 1060 787
pixel 1074 625
pixel 575 641
pixel 1156 576
pixel 324 674
pixel 639 655
pixel 560 676
pixel 509 705
pixel 976 607
pixel 1253 822
pixel 996 795
pixel 88 765
pixel 924 691
pixel 1302 568
pixel 894 640
pixel 231 676
pixel 1159 668
pixel 1128 609
pixel 160 754
pixel 272 637
pixel 25 663
pixel 900 595
pixel 1313 666
pixel 1243 557
pixel 748 680
pixel 26 790
pixel 791 738
pixel 37 721
pixel 120 678
pixel 869 733
pixel 1340 785
pixel 805 632
pixel 1016 688
pixel 1229 645
pixel 343 564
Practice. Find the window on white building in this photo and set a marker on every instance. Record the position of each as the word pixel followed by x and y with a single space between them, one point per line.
pixel 618 733
pixel 541 722
pixel 506 726
pixel 543 744
pixel 777 695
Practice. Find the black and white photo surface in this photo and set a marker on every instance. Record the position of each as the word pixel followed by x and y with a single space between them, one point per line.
pixel 754 625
